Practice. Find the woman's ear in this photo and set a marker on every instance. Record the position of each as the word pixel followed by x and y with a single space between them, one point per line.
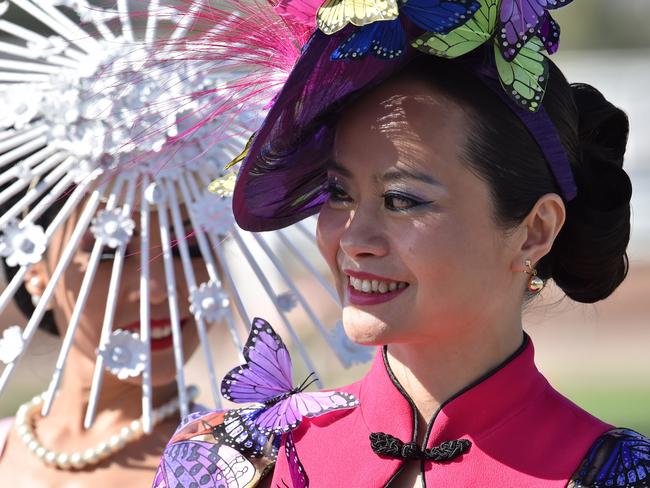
pixel 539 230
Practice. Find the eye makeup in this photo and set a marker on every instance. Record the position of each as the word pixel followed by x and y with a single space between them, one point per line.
pixel 402 202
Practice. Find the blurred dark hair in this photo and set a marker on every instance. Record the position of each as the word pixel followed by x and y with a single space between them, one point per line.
pixel 588 259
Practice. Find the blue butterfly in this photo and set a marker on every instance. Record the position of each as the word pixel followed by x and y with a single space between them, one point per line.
pixel 386 39
pixel 620 458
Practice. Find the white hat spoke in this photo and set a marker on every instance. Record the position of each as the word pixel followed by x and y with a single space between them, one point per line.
pixel 271 293
pixel 109 314
pixel 158 197
pixel 190 279
pixel 61 266
pixel 145 303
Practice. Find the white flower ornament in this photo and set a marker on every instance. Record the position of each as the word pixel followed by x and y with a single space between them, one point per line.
pixel 214 214
pixel 22 244
pixel 11 344
pixel 125 355
pixel 209 302
pixel 113 227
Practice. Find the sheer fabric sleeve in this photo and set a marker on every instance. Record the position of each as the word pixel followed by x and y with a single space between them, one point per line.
pixel 619 458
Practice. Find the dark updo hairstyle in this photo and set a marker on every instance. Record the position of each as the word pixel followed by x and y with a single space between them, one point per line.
pixel 588 259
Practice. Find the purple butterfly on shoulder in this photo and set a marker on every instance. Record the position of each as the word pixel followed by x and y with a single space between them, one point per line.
pixel 266 378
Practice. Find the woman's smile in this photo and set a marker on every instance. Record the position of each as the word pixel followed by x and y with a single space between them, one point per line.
pixel 368 289
pixel 160 330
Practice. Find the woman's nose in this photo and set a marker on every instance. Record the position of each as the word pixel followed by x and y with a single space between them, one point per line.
pixel 363 235
pixel 156 284
pixel 157 281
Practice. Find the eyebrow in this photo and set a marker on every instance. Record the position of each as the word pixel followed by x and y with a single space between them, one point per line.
pixel 336 166
pixel 405 174
pixel 390 176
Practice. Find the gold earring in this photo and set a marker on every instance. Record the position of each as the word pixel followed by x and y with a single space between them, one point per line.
pixel 535 283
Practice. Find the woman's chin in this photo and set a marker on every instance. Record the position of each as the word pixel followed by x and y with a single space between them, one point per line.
pixel 364 328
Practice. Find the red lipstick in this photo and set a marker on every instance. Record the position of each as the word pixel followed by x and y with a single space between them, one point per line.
pixel 357 297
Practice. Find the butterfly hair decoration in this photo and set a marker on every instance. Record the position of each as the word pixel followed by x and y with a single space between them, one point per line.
pixel 387 39
pixel 266 379
pixel 519 31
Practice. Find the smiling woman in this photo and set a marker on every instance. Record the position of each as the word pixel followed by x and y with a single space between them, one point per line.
pixel 62 430
pixel 454 171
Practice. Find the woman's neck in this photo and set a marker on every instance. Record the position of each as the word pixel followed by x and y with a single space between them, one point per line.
pixel 431 373
pixel 118 404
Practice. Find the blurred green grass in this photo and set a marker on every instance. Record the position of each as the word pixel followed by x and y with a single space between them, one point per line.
pixel 624 407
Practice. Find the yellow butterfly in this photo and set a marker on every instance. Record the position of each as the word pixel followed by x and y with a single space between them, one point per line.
pixel 224 186
pixel 333 15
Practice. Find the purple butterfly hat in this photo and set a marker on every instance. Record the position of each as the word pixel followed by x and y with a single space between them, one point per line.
pixel 283 177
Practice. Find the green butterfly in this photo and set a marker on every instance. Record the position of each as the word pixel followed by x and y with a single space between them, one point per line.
pixel 474 33
pixel 524 78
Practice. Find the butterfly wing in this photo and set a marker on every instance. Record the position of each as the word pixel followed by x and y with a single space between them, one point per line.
pixel 620 458
pixel 439 16
pixel 313 404
pixel 555 4
pixel 384 40
pixel 524 78
pixel 160 480
pixel 239 431
pixel 196 424
pixel 279 418
pixel 334 15
pixel 519 20
pixel 299 477
pixel 267 372
pixel 549 33
pixel 286 414
pixel 474 33
pixel 199 463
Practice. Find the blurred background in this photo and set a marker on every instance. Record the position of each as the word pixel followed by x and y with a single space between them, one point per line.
pixel 597 355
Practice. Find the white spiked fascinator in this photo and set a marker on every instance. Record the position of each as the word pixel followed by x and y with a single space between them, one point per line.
pixel 90 124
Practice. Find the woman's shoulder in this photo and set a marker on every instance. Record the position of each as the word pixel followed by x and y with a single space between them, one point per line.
pixel 618 458
pixel 217 448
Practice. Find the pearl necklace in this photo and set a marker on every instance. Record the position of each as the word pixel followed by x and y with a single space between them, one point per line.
pixel 78 460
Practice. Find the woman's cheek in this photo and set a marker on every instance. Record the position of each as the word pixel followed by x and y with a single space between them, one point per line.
pixel 331 225
pixel 328 233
